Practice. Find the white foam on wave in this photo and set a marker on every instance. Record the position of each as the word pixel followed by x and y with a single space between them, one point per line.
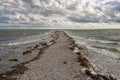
pixel 101 41
pixel 18 43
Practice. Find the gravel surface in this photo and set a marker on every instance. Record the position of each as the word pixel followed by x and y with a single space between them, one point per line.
pixel 57 63
pixel 55 57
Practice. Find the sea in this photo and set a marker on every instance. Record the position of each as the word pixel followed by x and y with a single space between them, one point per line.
pixel 103 40
pixel 11 36
pixel 106 41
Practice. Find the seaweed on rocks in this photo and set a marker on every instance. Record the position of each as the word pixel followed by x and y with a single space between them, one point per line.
pixel 21 68
pixel 84 62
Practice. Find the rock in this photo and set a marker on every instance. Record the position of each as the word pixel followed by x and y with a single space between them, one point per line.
pixel 81 56
pixel 13 60
pixel 71 48
pixel 112 77
pixel 76 50
pixel 74 45
pixel 72 41
pixel 88 72
pixel 65 62
pixel 53 41
pixel 80 48
pixel 43 43
pixel 83 70
pixel 85 63
pixel 27 52
pixel 93 72
pixel 78 53
pixel 70 44
pixel 36 46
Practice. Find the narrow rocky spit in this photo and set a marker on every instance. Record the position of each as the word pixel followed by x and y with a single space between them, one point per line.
pixel 55 57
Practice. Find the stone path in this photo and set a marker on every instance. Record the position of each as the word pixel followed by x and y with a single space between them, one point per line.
pixel 57 63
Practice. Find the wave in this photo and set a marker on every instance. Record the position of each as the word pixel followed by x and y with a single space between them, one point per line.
pixel 25 40
pixel 18 43
pixel 105 50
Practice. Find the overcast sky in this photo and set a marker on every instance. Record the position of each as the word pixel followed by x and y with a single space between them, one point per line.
pixel 59 11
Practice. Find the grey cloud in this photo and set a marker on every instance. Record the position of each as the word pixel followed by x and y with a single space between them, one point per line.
pixel 20 9
pixel 84 19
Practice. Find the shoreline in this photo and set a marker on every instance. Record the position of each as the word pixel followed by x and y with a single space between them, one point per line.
pixel 21 68
pixel 86 66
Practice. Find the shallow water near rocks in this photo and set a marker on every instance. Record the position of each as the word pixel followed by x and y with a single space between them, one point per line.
pixel 103 49
pixel 103 40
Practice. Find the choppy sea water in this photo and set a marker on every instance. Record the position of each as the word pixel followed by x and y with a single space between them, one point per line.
pixel 19 36
pixel 16 40
pixel 103 41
